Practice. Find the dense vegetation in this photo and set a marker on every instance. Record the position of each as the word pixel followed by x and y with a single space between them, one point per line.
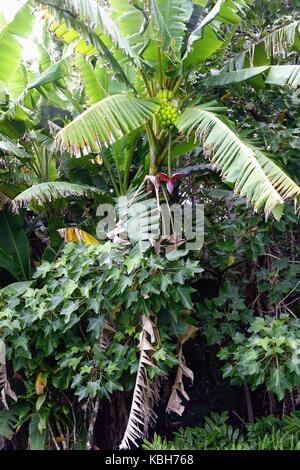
pixel 111 336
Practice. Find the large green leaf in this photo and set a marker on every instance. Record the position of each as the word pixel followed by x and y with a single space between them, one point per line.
pixel 14 246
pixel 10 48
pixel 227 78
pixel 37 438
pixel 258 178
pixel 214 30
pixel 168 21
pixel 12 149
pixel 284 75
pixel 106 122
pixel 54 72
pixel 91 81
pixel 275 75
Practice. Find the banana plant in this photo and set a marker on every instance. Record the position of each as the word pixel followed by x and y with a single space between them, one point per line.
pixel 158 53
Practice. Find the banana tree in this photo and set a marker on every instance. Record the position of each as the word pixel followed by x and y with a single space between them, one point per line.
pixel 158 52
pixel 30 172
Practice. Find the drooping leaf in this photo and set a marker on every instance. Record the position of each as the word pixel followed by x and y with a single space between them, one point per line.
pixel 275 75
pixel 278 42
pixel 258 178
pixel 283 38
pixel 106 122
pixel 50 191
pixel 227 78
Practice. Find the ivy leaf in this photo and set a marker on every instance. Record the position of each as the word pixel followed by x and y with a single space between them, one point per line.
pixel 69 288
pixel 277 382
pixel 68 308
pixel 185 297
pixel 93 388
pixel 96 325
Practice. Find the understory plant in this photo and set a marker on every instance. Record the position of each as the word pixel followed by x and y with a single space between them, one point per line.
pixel 269 355
pixel 217 433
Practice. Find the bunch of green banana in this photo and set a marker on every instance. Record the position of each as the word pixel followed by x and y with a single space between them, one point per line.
pixel 168 112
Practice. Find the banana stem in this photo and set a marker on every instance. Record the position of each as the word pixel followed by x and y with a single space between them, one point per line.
pixel 160 61
pixel 169 154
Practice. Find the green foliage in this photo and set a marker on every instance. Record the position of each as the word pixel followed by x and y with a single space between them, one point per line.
pixel 224 315
pixel 270 355
pixel 12 418
pixel 73 332
pixel 77 325
pixel 216 434
pixel 14 249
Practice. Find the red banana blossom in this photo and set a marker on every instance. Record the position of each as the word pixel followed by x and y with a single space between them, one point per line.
pixel 169 180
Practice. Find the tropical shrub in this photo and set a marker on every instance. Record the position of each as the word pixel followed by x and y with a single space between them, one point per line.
pixel 270 355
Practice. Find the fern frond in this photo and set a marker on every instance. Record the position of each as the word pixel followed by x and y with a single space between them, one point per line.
pixel 105 122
